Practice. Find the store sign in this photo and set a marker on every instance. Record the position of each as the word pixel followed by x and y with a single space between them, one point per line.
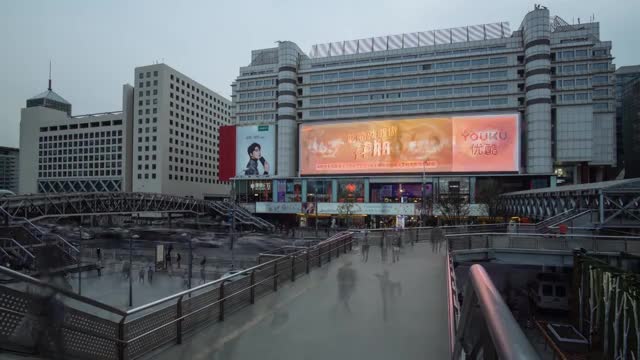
pixel 483 143
pixel 260 186
pixel 368 208
pixel 278 208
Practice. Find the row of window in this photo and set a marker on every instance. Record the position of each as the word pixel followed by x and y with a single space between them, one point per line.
pixel 89 150
pixel 193 130
pixel 141 75
pixel 185 100
pixel 257 83
pixel 190 170
pixel 257 117
pixel 580 53
pixel 85 165
pixel 78 144
pixel 84 158
pixel 190 161
pixel 394 70
pixel 60 174
pixel 253 106
pixel 426 80
pixel 412 94
pixel 568 69
pixel 193 121
pixel 257 94
pixel 75 136
pixel 409 107
pixel 87 125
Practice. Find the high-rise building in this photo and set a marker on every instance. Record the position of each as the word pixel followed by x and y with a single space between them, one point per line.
pixel 631 127
pixel 555 78
pixel 175 134
pixel 9 169
pixel 624 76
pixel 82 153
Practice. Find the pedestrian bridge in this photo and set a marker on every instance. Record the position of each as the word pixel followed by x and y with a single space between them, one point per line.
pixel 325 301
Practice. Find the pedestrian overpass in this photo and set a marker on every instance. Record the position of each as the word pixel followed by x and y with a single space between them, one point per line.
pixel 296 305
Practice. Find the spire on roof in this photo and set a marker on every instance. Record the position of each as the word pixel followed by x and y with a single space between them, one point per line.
pixel 49 76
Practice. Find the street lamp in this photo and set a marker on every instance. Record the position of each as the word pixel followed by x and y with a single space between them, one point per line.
pixel 424 192
pixel 184 236
pixel 80 259
pixel 131 238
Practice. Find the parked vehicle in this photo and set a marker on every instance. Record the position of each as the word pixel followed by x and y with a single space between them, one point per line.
pixel 550 291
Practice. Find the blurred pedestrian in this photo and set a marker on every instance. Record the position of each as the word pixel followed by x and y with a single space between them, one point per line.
pixel 178 259
pixel 203 262
pixel 167 261
pixel 185 279
pixel 203 277
pixel 395 251
pixel 141 274
pixel 365 247
pixel 150 274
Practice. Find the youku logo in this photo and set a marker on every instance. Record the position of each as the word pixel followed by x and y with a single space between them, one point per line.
pixel 484 135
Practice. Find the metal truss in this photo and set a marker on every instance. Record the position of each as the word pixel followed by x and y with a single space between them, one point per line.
pixel 94 203
pixel 65 186
pixel 611 203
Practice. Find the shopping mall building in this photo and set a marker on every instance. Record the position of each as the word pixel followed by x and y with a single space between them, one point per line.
pixel 388 121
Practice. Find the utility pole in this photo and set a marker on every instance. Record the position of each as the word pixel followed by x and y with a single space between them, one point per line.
pixel 233 227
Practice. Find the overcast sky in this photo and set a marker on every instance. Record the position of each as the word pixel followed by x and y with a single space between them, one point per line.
pixel 95 45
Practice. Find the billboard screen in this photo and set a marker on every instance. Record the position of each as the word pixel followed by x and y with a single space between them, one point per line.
pixel 481 143
pixel 255 150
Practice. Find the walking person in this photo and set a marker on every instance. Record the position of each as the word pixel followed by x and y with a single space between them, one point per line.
pixel 365 247
pixel 178 259
pixel 167 261
pixel 141 274
pixel 203 276
pixel 150 274
pixel 383 248
pixel 185 279
pixel 395 251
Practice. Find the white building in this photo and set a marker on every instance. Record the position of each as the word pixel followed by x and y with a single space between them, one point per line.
pixel 175 134
pixel 64 153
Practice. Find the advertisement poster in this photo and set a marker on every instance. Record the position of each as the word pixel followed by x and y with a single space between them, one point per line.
pixel 483 143
pixel 255 150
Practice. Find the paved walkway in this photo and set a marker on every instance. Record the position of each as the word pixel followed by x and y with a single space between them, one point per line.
pixel 382 310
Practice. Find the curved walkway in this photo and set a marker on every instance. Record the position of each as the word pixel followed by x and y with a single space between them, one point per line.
pixel 349 309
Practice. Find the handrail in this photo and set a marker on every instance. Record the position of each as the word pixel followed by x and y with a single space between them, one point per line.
pixel 67 293
pixel 560 236
pixel 550 341
pixel 15 243
pixel 209 284
pixel 507 340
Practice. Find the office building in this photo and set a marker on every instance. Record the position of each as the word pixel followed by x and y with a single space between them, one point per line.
pixel 624 76
pixel 175 134
pixel 9 169
pixel 555 79
pixel 631 127
pixel 83 153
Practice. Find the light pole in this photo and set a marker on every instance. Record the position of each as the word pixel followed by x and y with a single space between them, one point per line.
pixel 315 206
pixel 131 238
pixel 184 236
pixel 80 259
pixel 424 192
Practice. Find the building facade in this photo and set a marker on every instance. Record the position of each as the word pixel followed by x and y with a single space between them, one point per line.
pixel 631 127
pixel 9 169
pixel 83 153
pixel 625 75
pixel 175 134
pixel 165 140
pixel 558 78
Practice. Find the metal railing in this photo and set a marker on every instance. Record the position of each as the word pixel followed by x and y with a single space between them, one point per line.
pixel 487 329
pixel 9 245
pixel 610 244
pixel 147 327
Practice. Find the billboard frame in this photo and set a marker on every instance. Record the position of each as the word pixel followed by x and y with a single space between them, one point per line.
pixel 518 152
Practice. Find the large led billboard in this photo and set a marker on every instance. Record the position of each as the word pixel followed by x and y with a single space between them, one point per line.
pixel 480 143
pixel 255 150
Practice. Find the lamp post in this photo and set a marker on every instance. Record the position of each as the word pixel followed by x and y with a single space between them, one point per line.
pixel 131 238
pixel 424 193
pixel 79 259
pixel 184 236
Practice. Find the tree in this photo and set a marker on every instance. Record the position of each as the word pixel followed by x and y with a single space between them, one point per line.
pixel 347 209
pixel 453 207
pixel 488 194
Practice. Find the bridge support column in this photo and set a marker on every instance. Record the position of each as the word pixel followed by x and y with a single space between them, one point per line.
pixel 93 220
pixel 169 218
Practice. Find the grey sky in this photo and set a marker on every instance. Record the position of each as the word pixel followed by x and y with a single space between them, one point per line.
pixel 95 45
